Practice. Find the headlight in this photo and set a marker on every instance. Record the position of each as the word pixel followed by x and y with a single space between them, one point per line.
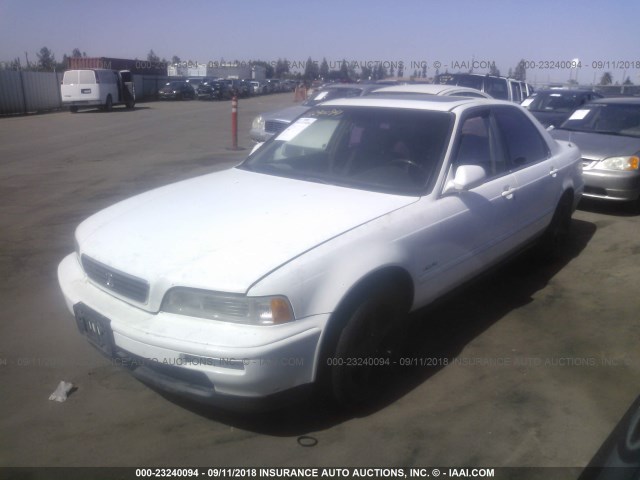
pixel 228 307
pixel 258 123
pixel 620 163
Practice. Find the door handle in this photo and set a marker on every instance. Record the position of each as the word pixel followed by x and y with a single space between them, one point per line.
pixel 508 192
pixel 553 172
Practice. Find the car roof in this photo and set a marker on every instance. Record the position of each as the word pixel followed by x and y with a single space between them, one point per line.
pixel 618 100
pixel 570 91
pixel 338 86
pixel 415 101
pixel 430 89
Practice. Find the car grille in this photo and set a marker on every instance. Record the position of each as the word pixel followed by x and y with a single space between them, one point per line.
pixel 116 281
pixel 273 126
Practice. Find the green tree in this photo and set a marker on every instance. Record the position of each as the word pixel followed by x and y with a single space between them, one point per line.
pixel 628 81
pixel 606 79
pixel 344 70
pixel 520 73
pixel 493 70
pixel 175 59
pixel 400 69
pixel 152 57
pixel 282 68
pixel 311 70
pixel 46 60
pixel 324 69
pixel 76 53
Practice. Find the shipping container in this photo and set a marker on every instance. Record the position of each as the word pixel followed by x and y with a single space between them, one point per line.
pixel 139 67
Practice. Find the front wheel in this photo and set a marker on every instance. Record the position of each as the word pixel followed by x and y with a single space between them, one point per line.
pixel 365 348
pixel 109 104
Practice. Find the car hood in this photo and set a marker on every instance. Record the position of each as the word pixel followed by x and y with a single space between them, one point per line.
pixel 226 230
pixel 597 146
pixel 286 114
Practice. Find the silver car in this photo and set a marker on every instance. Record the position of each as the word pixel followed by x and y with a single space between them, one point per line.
pixel 607 131
pixel 266 125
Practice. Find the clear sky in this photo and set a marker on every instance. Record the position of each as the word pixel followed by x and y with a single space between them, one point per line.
pixel 412 31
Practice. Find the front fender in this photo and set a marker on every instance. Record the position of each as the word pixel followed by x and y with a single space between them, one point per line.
pixel 317 281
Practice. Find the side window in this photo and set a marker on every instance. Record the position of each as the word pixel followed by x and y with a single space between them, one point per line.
pixel 522 142
pixel 497 88
pixel 475 145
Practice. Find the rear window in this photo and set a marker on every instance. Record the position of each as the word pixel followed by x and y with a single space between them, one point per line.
pixel 87 76
pixel 70 77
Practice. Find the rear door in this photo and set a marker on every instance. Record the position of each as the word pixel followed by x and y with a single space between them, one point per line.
pixel 535 169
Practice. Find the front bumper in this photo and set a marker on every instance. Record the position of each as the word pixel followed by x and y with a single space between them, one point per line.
pixel 206 360
pixel 612 185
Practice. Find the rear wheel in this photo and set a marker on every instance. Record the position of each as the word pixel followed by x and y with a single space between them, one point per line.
pixel 108 106
pixel 73 109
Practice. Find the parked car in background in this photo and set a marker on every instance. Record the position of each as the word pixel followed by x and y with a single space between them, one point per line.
pixel 176 90
pixel 195 82
pixel 257 88
pixel 430 89
pixel 212 89
pixel 501 88
pixel 554 106
pixel 294 268
pixel 98 87
pixel 607 131
pixel 266 125
pixel 237 87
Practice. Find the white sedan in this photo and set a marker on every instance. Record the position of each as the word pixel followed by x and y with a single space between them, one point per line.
pixel 242 286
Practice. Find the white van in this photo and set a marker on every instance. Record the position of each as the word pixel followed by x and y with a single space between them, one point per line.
pixel 97 87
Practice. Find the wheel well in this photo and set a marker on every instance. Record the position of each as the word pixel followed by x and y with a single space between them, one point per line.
pixel 389 276
pixel 567 193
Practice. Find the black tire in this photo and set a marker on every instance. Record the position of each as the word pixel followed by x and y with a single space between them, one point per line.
pixel 556 237
pixel 108 106
pixel 130 105
pixel 364 348
pixel 73 109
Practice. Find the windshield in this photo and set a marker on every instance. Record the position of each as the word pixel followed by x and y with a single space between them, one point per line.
pixel 615 119
pixel 555 102
pixel 380 149
pixel 332 93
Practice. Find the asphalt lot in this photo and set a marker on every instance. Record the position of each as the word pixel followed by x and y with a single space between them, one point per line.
pixel 542 359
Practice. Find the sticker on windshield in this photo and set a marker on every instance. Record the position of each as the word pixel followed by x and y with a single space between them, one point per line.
pixel 294 129
pixel 527 102
pixel 579 114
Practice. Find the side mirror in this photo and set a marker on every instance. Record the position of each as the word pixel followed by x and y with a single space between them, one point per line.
pixel 466 176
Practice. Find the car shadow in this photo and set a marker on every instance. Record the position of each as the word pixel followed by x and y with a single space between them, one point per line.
pixel 117 109
pixel 619 209
pixel 439 331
